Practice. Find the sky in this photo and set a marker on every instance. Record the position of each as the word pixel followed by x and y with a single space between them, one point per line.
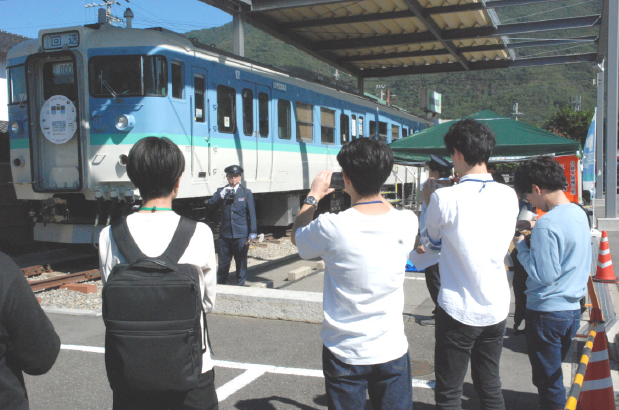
pixel 27 17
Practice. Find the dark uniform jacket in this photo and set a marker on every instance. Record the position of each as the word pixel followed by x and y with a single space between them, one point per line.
pixel 239 216
pixel 28 342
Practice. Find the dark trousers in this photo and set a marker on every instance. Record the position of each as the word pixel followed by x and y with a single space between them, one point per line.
pixel 389 385
pixel 203 397
pixel 433 282
pixel 456 344
pixel 549 336
pixel 229 247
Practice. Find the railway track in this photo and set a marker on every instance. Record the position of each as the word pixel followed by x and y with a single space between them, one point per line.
pixel 58 281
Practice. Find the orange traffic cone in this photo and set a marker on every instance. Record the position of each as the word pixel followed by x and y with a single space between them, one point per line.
pixel 597 388
pixel 604 272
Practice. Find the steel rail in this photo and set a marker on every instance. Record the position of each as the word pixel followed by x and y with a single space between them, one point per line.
pixel 63 280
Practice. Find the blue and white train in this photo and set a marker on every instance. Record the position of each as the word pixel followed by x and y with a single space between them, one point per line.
pixel 80 97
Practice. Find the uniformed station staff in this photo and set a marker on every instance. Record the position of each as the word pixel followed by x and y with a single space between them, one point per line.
pixel 238 224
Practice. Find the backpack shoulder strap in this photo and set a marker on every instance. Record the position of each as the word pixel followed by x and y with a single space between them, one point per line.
pixel 182 236
pixel 125 242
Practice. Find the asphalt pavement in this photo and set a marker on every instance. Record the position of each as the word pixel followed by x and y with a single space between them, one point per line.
pixel 265 364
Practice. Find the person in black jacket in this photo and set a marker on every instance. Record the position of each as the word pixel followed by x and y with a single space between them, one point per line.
pixel 238 225
pixel 28 342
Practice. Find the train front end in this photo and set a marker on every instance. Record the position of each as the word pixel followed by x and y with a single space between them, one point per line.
pixel 49 133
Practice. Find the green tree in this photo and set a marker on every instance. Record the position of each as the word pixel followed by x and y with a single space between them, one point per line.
pixel 570 124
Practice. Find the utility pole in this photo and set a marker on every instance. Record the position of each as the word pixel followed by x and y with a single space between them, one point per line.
pixel 381 87
pixel 111 19
pixel 515 114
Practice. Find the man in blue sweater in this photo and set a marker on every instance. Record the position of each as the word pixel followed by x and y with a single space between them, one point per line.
pixel 558 265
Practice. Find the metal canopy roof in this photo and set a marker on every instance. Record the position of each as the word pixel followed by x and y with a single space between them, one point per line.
pixel 8 40
pixel 382 38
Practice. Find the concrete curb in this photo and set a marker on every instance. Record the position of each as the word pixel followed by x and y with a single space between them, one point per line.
pixel 270 263
pixel 67 311
pixel 269 303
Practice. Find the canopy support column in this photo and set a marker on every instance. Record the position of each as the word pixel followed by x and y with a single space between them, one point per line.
pixel 611 223
pixel 360 86
pixel 238 34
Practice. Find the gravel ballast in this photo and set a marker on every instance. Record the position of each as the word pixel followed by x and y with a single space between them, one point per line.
pixel 62 298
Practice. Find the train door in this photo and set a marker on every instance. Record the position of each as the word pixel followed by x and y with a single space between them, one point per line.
pixel 200 128
pixel 56 134
pixel 264 137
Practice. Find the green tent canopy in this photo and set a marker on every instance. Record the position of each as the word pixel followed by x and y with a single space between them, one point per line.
pixel 513 139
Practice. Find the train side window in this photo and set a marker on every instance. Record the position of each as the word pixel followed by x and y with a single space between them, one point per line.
pixel 382 131
pixel 305 121
pixel 360 126
pixel 283 120
pixel 199 88
pixel 17 85
pixel 263 114
pixel 395 132
pixel 226 109
pixel 344 129
pixel 177 80
pixel 248 111
pixel 354 126
pixel 327 126
pixel 404 132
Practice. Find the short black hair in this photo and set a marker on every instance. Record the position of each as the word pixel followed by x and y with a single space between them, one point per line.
pixel 367 162
pixel 544 171
pixel 154 165
pixel 474 140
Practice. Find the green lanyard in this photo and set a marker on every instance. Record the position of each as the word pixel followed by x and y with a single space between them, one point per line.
pixel 155 209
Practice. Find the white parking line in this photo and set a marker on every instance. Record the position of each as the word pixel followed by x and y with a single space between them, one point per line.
pixel 251 373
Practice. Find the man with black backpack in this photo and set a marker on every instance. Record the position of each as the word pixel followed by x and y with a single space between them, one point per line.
pixel 159 279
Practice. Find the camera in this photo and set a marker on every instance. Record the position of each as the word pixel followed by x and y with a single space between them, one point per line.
pixel 337 181
pixel 230 195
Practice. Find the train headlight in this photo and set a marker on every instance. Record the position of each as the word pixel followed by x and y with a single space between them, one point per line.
pixel 125 123
pixel 14 127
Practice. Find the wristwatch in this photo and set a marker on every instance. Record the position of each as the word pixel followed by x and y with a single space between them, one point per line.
pixel 310 200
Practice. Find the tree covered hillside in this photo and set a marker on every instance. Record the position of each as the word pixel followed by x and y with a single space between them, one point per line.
pixel 539 91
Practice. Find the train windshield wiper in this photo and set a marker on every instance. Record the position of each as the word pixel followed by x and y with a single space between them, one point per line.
pixel 109 88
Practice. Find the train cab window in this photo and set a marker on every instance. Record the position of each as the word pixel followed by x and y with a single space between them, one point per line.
pixel 226 109
pixel 128 76
pixel 344 129
pixel 177 80
pixel 354 126
pixel 404 132
pixel 395 132
pixel 155 73
pixel 248 111
pixel 59 79
pixel 199 90
pixel 263 114
pixel 305 121
pixel 17 85
pixel 283 120
pixel 327 126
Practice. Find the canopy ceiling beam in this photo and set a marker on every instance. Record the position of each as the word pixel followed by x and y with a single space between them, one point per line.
pixel 480 65
pixel 262 6
pixel 433 28
pixel 458 34
pixel 469 49
pixel 458 8
pixel 359 18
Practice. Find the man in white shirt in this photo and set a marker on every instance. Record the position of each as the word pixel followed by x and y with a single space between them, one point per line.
pixel 364 249
pixel 471 224
pixel 155 166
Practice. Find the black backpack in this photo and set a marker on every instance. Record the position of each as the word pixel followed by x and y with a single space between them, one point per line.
pixel 152 309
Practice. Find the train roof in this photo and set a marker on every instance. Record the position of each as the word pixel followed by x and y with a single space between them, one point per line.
pixel 172 40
